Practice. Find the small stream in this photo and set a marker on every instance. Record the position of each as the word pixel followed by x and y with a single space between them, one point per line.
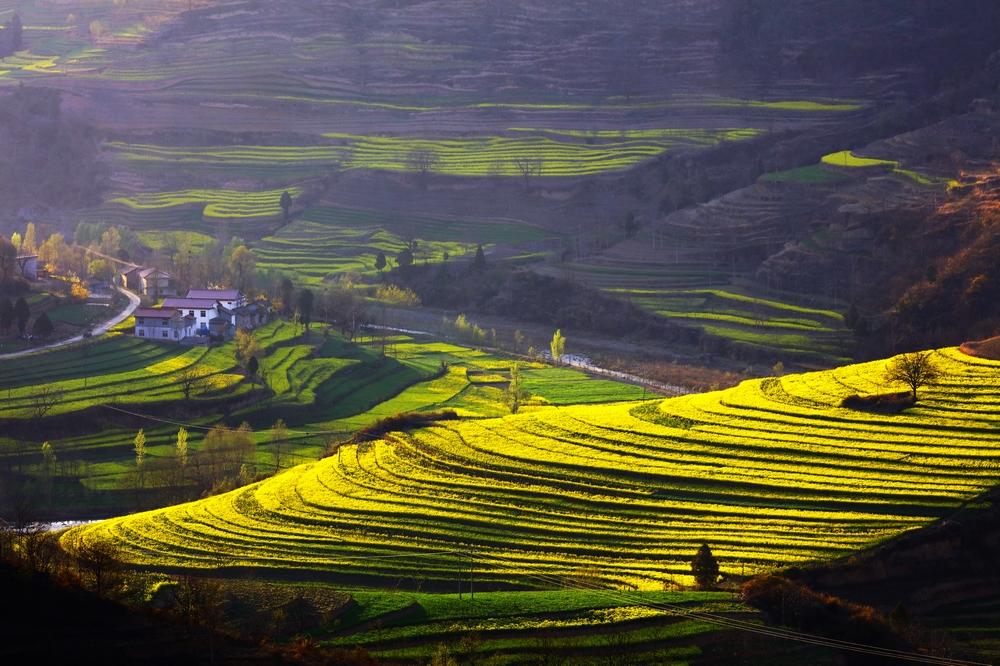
pixel 57 525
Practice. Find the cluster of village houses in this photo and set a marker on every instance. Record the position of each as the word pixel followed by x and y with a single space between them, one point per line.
pixel 201 314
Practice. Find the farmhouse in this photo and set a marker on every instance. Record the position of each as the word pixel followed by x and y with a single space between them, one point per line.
pixel 163 324
pixel 150 282
pixel 230 298
pixel 219 312
pixel 28 263
pixel 156 283
pixel 207 312
pixel 202 310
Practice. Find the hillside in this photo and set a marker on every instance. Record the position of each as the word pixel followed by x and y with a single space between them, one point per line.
pixel 770 473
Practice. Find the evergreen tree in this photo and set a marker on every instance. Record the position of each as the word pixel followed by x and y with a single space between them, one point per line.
pixel 479 263
pixel 287 292
pixel 11 39
pixel 704 567
pixel 42 327
pixel 305 307
pixel 380 262
pixel 21 314
pixel 253 365
pixel 286 204
pixel 404 258
pixel 6 314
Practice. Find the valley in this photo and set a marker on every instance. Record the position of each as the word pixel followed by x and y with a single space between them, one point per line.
pixel 474 332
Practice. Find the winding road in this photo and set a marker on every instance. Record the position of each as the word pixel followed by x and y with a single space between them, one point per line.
pixel 100 329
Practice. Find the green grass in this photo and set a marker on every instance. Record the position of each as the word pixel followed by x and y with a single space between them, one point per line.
pixel 812 174
pixel 81 314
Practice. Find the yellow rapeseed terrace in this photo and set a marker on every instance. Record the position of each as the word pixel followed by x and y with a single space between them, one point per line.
pixel 770 473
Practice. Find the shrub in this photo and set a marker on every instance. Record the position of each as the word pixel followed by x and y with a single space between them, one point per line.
pixel 880 403
pixel 402 421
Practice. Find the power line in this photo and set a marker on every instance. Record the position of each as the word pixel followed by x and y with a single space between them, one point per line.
pixel 195 426
pixel 741 625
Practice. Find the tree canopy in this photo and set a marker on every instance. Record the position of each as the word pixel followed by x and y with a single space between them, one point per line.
pixel 915 370
pixel 704 567
pixel 42 327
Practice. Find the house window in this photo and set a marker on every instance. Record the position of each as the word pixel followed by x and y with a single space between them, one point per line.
pixel 202 313
pixel 175 334
pixel 191 312
pixel 163 333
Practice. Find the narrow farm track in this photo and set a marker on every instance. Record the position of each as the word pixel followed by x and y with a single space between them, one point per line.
pixel 770 473
pixel 100 329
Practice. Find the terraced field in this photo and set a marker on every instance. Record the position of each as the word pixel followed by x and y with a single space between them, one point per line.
pixel 324 388
pixel 527 626
pixel 789 330
pixel 327 240
pixel 696 294
pixel 194 210
pixel 546 152
pixel 769 473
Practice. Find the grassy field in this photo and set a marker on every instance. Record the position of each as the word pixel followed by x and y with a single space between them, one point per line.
pixel 770 473
pixel 812 174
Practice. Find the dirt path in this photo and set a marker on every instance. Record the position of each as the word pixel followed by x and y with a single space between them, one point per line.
pixel 98 330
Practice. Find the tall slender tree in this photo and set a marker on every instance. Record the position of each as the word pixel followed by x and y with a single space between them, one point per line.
pixel 557 347
pixel 286 204
pixel 21 314
pixel 6 314
pixel 305 307
pixel 139 444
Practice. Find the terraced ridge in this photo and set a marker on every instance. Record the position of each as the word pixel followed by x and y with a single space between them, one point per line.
pixel 118 372
pixel 194 209
pixel 528 626
pixel 328 239
pixel 549 152
pixel 770 473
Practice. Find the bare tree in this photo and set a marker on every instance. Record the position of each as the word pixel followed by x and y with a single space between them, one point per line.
pixel 915 370
pixel 191 381
pixel 100 561
pixel 43 400
pixel 528 167
pixel 422 161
